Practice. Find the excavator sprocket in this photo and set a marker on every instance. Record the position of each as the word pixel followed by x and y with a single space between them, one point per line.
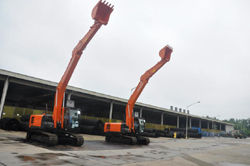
pixel 143 140
pixel 67 138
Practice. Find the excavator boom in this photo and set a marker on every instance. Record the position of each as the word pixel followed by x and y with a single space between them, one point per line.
pixel 165 54
pixel 131 131
pixel 100 13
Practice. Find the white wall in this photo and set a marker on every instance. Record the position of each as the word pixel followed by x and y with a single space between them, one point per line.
pixel 229 128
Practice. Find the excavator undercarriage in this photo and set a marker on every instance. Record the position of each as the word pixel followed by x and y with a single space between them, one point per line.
pixel 50 136
pixel 126 139
pixel 119 133
pixel 55 137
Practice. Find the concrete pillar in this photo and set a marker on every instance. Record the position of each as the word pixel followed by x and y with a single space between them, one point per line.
pixel 162 118
pixel 186 127
pixel 110 111
pixel 5 89
pixel 178 122
pixel 190 123
pixel 200 123
pixel 141 113
pixel 212 125
pixel 207 124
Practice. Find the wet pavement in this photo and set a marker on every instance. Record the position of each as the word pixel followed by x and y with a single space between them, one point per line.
pixel 14 150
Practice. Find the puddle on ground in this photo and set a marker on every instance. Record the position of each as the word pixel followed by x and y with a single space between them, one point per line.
pixel 46 159
pixel 41 156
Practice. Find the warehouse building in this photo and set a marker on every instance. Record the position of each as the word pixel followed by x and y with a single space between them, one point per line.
pixel 21 95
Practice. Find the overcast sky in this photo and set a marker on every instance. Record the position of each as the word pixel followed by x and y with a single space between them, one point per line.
pixel 210 38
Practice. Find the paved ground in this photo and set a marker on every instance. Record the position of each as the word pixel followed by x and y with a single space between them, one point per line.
pixel 161 151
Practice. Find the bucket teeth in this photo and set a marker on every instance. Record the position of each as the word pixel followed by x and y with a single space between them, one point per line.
pixel 102 11
pixel 105 3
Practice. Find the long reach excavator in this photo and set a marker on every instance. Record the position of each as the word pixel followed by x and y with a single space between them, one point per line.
pixel 130 132
pixel 52 129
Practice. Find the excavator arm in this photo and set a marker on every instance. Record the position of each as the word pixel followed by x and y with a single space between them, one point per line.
pixel 100 14
pixel 165 54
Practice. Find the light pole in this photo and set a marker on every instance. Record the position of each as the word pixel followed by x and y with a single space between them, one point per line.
pixel 187 116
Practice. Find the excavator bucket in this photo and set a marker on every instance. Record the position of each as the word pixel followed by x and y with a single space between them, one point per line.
pixel 102 11
pixel 165 52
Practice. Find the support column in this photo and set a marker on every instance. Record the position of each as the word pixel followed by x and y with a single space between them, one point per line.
pixel 190 123
pixel 220 126
pixel 162 118
pixel 5 89
pixel 178 122
pixel 200 123
pixel 207 124
pixel 110 111
pixel 186 127
pixel 212 125
pixel 141 113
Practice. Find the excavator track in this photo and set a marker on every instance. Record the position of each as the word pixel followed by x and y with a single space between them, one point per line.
pixel 79 140
pixel 67 138
pixel 52 139
pixel 49 139
pixel 143 140
pixel 124 139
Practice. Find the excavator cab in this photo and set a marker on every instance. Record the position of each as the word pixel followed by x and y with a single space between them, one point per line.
pixel 139 125
pixel 72 116
pixel 45 121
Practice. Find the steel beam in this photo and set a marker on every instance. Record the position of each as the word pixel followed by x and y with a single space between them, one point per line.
pixel 162 114
pixel 186 126
pixel 178 122
pixel 5 89
pixel 110 111
pixel 141 113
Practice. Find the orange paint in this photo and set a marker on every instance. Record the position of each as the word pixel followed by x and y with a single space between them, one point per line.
pixel 112 127
pixel 36 120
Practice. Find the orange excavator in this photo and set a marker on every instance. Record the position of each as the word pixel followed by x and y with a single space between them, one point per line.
pixel 130 132
pixel 52 129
